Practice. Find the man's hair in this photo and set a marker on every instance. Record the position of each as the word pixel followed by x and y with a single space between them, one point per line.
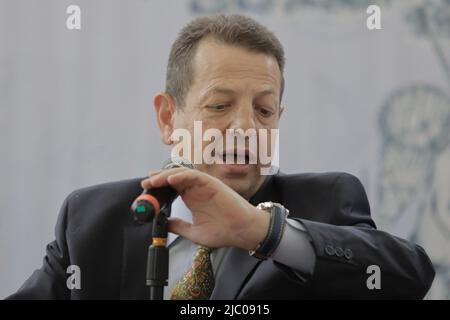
pixel 234 30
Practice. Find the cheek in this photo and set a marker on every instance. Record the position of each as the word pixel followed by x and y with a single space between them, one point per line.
pixel 180 122
pixel 221 123
pixel 271 123
pixel 194 118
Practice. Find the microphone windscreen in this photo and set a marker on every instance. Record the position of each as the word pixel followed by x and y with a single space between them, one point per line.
pixel 177 162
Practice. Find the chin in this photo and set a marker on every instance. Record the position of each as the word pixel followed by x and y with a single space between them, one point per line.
pixel 241 187
pixel 241 182
pixel 244 185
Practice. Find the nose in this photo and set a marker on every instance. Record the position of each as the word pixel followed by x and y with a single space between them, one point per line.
pixel 244 118
pixel 244 128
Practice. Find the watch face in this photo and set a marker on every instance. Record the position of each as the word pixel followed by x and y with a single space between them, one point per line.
pixel 265 206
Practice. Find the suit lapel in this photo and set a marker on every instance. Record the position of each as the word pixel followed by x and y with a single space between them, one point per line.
pixel 233 274
pixel 237 265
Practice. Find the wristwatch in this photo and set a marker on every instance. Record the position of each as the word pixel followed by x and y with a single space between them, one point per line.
pixel 278 215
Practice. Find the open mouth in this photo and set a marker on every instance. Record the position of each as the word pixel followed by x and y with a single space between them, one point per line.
pixel 236 157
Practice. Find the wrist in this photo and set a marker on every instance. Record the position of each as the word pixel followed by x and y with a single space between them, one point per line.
pixel 256 230
pixel 278 214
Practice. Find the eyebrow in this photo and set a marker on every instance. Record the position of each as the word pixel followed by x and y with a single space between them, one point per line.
pixel 266 92
pixel 216 90
pixel 232 92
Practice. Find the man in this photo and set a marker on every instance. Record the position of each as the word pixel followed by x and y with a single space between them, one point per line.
pixel 227 72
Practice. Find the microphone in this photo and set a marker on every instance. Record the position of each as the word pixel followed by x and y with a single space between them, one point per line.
pixel 152 201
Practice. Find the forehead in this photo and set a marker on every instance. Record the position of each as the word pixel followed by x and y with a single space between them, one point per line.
pixel 217 63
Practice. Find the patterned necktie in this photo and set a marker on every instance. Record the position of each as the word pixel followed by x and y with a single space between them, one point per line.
pixel 198 282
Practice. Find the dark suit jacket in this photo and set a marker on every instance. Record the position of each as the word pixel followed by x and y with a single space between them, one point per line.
pixel 95 231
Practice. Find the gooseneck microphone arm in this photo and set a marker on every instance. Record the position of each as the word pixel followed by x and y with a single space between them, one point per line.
pixel 158 258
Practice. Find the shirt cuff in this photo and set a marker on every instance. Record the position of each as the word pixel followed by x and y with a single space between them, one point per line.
pixel 295 249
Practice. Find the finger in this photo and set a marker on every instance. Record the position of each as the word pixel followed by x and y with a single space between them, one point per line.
pixel 185 179
pixel 180 227
pixel 153 172
pixel 157 178
pixel 160 179
pixel 145 184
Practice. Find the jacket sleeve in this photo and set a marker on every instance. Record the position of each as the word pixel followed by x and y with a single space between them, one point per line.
pixel 49 282
pixel 350 252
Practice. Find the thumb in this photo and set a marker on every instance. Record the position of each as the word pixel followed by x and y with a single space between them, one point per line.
pixel 180 227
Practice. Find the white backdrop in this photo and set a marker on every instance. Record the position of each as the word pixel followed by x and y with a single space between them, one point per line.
pixel 76 107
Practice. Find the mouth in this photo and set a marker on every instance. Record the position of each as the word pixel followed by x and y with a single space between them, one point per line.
pixel 237 162
pixel 235 159
pixel 238 157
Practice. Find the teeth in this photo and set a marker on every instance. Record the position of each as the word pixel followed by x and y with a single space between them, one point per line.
pixel 240 159
pixel 236 158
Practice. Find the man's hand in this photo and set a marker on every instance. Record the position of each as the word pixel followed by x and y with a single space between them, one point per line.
pixel 220 216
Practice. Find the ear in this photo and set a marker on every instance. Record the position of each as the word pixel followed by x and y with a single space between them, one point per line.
pixel 165 112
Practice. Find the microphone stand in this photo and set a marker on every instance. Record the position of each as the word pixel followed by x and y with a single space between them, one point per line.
pixel 158 258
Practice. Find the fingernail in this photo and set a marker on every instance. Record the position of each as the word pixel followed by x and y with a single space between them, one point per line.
pixel 144 182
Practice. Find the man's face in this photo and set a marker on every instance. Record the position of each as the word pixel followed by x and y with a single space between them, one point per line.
pixel 232 88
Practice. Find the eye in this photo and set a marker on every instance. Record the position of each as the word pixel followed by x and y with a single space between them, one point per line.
pixel 265 112
pixel 218 107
